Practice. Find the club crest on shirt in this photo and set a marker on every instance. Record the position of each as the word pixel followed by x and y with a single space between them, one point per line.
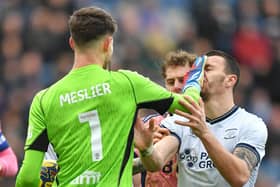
pixel 189 156
pixel 230 133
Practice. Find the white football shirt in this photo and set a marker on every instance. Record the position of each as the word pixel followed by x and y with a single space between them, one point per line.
pixel 236 128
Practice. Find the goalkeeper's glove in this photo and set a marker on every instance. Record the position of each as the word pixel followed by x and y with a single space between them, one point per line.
pixel 48 173
pixel 194 78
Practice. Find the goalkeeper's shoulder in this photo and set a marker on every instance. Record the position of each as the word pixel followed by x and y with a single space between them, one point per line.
pixel 131 74
pixel 40 93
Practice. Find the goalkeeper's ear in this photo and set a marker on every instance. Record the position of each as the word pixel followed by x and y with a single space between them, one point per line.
pixel 71 43
pixel 108 45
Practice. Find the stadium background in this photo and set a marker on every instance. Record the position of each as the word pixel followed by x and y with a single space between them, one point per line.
pixel 34 53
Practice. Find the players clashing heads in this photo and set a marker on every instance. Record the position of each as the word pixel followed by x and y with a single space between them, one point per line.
pixel 94 136
pixel 231 139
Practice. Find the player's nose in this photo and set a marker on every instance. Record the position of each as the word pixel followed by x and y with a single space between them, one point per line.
pixel 178 87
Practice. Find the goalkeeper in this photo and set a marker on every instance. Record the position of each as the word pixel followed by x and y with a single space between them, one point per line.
pixel 88 115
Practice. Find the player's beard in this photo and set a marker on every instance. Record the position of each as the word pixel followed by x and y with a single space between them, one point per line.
pixel 210 89
pixel 204 95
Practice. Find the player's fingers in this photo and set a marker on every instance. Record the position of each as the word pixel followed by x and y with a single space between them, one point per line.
pixel 187 105
pixel 158 135
pixel 192 109
pixel 187 124
pixel 152 125
pixel 163 131
pixel 192 102
pixel 201 104
pixel 188 116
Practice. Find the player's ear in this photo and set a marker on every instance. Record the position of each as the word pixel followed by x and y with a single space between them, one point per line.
pixel 231 80
pixel 108 44
pixel 71 42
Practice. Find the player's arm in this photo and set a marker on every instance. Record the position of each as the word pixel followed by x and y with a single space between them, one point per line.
pixel 153 157
pixel 8 163
pixel 137 180
pixel 235 167
pixel 151 95
pixel 29 174
pixel 248 156
pixel 8 160
pixel 35 147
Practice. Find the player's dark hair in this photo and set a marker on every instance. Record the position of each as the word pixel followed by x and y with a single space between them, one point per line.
pixel 90 23
pixel 177 58
pixel 231 65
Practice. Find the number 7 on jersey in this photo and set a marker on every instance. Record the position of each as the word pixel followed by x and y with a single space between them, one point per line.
pixel 96 140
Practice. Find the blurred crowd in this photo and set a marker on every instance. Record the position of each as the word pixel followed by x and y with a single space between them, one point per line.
pixel 34 53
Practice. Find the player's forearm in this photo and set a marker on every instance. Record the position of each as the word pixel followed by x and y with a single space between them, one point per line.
pixel 162 152
pixel 151 161
pixel 27 177
pixel 29 174
pixel 8 163
pixel 233 169
pixel 23 182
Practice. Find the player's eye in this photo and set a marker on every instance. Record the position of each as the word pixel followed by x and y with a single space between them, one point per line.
pixel 170 82
pixel 181 79
pixel 208 68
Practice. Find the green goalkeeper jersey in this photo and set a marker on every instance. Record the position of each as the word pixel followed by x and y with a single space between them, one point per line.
pixel 88 117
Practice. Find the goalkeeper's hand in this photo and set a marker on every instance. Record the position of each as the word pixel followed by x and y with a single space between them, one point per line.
pixel 48 173
pixel 194 78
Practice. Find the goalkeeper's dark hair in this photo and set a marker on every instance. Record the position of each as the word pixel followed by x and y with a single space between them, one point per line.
pixel 231 65
pixel 89 24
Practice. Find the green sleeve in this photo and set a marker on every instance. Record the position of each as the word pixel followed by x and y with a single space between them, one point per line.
pixel 193 92
pixel 147 91
pixel 36 124
pixel 29 174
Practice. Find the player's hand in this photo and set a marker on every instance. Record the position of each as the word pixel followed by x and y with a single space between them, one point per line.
pixel 160 133
pixel 143 134
pixel 195 77
pixel 48 173
pixel 197 119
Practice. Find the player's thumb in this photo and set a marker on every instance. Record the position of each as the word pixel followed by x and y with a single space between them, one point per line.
pixel 152 125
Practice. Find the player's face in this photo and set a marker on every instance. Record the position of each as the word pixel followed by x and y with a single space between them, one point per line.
pixel 174 80
pixel 214 78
